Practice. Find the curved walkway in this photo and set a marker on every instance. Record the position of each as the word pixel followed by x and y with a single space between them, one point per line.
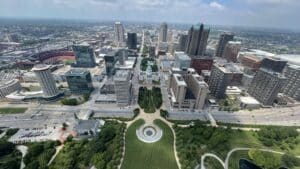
pixel 23 150
pixel 226 163
pixel 149 118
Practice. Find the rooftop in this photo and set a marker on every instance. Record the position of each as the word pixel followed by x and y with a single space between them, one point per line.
pixel 77 72
pixel 122 75
pixel 40 67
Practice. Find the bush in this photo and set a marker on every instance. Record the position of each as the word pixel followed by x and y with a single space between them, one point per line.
pixel 136 112
pixel 265 159
pixel 86 96
pixel 11 132
pixel 164 113
pixel 290 160
pixel 6 147
pixel 69 102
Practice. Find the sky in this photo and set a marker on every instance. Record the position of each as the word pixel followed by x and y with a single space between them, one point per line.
pixel 255 13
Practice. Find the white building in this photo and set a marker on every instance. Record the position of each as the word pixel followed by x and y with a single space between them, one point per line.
pixel 119 34
pixel 9 87
pixel 46 80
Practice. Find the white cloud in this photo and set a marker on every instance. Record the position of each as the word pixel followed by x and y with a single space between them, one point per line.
pixel 216 5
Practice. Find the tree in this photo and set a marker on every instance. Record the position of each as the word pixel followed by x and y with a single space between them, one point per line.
pixel 265 160
pixel 290 160
pixel 6 147
pixel 164 113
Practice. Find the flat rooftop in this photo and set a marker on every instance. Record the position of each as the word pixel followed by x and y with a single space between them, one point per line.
pixel 77 72
pixel 40 67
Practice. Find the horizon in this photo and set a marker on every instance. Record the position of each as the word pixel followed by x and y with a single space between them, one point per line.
pixel 127 22
pixel 279 14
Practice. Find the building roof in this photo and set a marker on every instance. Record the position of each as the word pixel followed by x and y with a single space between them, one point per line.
pixel 40 67
pixel 179 79
pixel 249 100
pixel 86 124
pixel 77 72
pixel 122 75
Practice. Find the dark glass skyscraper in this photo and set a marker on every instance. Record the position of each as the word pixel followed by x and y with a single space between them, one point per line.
pixel 79 81
pixel 131 40
pixel 197 40
pixel 182 42
pixel 84 55
pixel 224 39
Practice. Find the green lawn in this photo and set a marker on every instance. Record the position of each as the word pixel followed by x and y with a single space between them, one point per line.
pixel 12 110
pixel 193 142
pixel 140 155
pixel 150 100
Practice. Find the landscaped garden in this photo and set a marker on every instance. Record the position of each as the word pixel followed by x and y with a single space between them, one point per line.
pixel 104 151
pixel 75 100
pixel 156 155
pixel 195 141
pixel 150 100
pixel 144 64
pixel 12 110
pixel 10 157
pixel 39 154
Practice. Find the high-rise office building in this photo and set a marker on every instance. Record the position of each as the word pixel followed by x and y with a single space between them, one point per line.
pixel 222 76
pixel 201 63
pixel 119 34
pixel 84 55
pixel 110 60
pixel 273 64
pixel 182 42
pixel 46 80
pixel 188 89
pixel 292 85
pixel 152 51
pixel 122 56
pixel 223 40
pixel 123 87
pixel 265 86
pixel 79 81
pixel 163 32
pixel 268 81
pixel 131 40
pixel 231 51
pixel 197 40
pixel 182 60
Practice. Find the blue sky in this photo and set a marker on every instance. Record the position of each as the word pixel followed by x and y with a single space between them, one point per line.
pixel 262 13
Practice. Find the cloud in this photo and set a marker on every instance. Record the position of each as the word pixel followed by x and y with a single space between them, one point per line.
pixel 216 5
pixel 270 13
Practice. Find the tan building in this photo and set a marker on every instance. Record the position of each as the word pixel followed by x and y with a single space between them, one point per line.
pixel 188 89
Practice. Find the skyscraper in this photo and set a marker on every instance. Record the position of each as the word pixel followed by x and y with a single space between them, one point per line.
pixel 84 55
pixel 224 39
pixel 119 34
pixel 197 40
pixel 163 32
pixel 231 51
pixel 131 40
pixel 182 42
pixel 123 87
pixel 292 86
pixel 79 81
pixel 268 81
pixel 188 89
pixel 46 80
pixel 223 75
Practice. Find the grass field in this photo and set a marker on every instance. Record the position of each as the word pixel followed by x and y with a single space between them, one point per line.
pixel 193 142
pixel 12 110
pixel 159 155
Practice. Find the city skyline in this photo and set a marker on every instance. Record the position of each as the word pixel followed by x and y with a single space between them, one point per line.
pixel 252 13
